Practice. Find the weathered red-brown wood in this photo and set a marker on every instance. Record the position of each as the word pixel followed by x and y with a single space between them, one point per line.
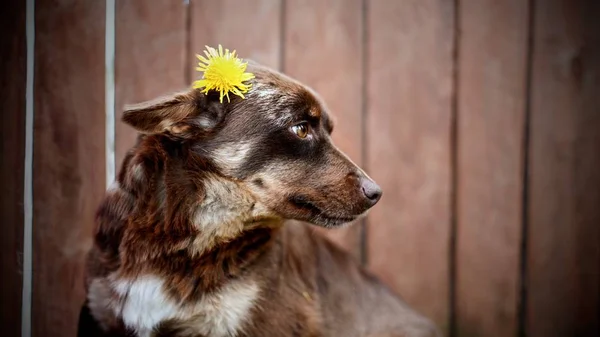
pixel 323 49
pixel 150 56
pixel 409 69
pixel 252 28
pixel 563 256
pixel 12 144
pixel 69 151
pixel 407 148
pixel 492 62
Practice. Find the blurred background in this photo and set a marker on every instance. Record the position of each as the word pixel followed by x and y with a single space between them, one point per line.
pixel 479 118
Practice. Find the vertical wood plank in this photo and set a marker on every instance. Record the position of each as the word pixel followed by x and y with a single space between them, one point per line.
pixel 252 28
pixel 150 58
pixel 323 44
pixel 564 171
pixel 69 171
pixel 491 113
pixel 12 144
pixel 409 71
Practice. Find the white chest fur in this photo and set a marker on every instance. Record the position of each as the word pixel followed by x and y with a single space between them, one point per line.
pixel 144 306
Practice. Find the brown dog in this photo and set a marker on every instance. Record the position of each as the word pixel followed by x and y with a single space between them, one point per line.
pixel 191 241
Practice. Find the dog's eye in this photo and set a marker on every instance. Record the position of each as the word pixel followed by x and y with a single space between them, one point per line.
pixel 301 130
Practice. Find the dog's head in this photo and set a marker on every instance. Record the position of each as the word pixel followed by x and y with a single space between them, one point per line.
pixel 275 143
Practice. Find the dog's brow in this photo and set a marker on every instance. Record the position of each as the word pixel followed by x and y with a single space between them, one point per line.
pixel 314 112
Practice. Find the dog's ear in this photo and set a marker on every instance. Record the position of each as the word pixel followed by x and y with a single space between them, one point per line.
pixel 178 114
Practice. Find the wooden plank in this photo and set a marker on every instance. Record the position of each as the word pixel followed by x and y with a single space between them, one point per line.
pixel 150 58
pixel 12 144
pixel 409 122
pixel 323 50
pixel 252 28
pixel 564 172
pixel 491 114
pixel 69 170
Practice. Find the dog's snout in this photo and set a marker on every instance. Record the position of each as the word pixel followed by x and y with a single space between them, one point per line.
pixel 371 190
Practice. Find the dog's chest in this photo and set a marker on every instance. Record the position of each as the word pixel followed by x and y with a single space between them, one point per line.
pixel 145 305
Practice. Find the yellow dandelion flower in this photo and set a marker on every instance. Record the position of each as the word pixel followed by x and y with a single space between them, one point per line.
pixel 223 72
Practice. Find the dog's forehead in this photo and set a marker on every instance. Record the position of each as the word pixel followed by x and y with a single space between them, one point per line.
pixel 269 83
pixel 284 98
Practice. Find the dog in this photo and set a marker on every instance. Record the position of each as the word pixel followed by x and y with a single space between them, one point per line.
pixel 194 237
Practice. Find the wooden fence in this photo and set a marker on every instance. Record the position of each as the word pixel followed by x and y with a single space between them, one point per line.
pixel 479 118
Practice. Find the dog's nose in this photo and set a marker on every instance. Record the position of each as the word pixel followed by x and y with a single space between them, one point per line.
pixel 371 190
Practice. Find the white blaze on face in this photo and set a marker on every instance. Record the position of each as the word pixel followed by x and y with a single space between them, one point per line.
pixel 265 92
pixel 276 103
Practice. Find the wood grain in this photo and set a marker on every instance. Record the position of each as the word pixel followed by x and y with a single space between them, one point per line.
pixel 564 172
pixel 407 148
pixel 69 171
pixel 252 28
pixel 12 144
pixel 409 122
pixel 150 58
pixel 491 114
pixel 323 49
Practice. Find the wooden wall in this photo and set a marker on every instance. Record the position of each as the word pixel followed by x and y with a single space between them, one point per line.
pixel 491 114
pixel 13 53
pixel 480 119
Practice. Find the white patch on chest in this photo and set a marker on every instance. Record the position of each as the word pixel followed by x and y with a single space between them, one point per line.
pixel 144 306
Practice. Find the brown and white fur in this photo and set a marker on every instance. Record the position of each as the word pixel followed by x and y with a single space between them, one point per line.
pixel 190 240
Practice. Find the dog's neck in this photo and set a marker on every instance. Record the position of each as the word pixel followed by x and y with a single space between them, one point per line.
pixel 169 204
